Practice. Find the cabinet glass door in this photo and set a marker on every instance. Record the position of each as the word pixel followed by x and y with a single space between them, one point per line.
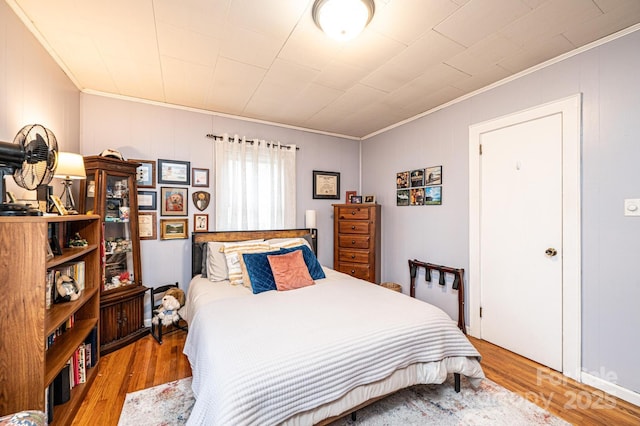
pixel 117 234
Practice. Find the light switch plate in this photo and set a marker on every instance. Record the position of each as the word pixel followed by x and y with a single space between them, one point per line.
pixel 632 207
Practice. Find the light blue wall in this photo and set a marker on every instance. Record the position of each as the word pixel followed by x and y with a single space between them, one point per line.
pixel 149 132
pixel 33 89
pixel 608 78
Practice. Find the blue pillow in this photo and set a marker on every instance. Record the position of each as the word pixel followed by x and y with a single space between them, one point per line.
pixel 259 271
pixel 315 270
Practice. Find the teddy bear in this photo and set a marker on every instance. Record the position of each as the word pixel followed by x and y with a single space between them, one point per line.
pixel 167 312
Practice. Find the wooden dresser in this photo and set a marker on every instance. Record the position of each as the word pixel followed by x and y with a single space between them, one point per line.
pixel 356 240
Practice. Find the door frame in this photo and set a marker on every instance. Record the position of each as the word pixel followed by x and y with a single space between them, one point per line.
pixel 570 110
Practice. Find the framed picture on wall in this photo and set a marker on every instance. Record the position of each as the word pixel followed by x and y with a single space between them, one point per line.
pixel 175 201
pixel 173 229
pixel 402 180
pixel 147 224
pixel 326 185
pixel 433 195
pixel 200 222
pixel 417 178
pixel 200 177
pixel 147 200
pixel 402 197
pixel 173 171
pixel 433 175
pixel 146 173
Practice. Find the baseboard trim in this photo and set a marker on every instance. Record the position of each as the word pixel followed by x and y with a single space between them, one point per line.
pixel 611 388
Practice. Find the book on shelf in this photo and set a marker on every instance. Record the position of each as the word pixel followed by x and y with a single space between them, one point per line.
pixel 67 325
pixel 71 375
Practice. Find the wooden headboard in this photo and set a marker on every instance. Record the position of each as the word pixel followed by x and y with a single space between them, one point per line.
pixel 200 238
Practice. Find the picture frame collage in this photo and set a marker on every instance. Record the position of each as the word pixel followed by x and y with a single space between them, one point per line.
pixel 419 187
pixel 174 201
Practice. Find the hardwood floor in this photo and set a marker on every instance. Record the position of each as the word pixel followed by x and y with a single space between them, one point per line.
pixel 140 365
pixel 577 403
pixel 145 363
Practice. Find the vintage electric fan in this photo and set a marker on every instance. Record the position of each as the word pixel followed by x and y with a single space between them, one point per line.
pixel 32 158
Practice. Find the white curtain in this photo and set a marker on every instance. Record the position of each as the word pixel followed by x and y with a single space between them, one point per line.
pixel 255 185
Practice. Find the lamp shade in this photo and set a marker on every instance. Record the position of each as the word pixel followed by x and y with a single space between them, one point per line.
pixel 70 166
pixel 342 19
pixel 310 219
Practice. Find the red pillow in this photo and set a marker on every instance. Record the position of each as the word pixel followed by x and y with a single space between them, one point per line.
pixel 290 271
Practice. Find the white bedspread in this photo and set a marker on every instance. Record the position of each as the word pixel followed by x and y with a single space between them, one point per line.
pixel 261 359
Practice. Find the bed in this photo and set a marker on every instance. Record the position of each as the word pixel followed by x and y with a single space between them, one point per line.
pixel 309 355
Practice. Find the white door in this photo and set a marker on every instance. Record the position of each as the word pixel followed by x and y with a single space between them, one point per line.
pixel 521 238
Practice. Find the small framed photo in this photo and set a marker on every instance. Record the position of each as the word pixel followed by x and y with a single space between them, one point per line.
pixel 200 222
pixel 402 180
pixel 348 196
pixel 326 185
pixel 417 178
pixel 147 200
pixel 147 225
pixel 433 175
pixel 174 201
pixel 57 202
pixel 173 171
pixel 402 197
pixel 49 252
pixel 145 173
pixel 433 195
pixel 417 197
pixel 173 229
pixel 369 199
pixel 356 199
pixel 200 177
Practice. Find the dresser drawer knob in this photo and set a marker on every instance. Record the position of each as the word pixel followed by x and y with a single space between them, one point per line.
pixel 353 212
pixel 353 271
pixel 353 241
pixel 353 227
pixel 353 256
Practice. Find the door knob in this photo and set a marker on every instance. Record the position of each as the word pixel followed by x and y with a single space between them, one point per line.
pixel 551 252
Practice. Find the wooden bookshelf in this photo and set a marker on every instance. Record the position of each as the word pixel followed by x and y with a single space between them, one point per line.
pixel 27 366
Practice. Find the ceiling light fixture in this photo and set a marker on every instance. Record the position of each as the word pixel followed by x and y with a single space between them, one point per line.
pixel 342 19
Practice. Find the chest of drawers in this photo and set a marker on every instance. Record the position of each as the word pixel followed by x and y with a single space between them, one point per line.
pixel 356 240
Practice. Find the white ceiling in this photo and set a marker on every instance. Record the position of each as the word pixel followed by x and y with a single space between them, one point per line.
pixel 266 59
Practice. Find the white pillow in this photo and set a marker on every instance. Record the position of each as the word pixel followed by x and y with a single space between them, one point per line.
pixel 217 269
pixel 233 252
pixel 288 242
pixel 216 262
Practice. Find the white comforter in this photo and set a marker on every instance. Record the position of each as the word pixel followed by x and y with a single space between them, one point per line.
pixel 261 359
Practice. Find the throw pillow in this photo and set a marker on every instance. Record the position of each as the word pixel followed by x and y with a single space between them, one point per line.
pixel 259 271
pixel 310 259
pixel 232 253
pixel 289 271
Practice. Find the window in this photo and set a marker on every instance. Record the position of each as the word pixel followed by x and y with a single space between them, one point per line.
pixel 255 185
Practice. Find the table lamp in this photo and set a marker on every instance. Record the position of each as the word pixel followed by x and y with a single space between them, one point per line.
pixel 70 167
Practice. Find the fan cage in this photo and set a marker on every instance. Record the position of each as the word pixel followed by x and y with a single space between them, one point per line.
pixel 40 156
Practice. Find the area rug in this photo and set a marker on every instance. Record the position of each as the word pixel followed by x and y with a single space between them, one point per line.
pixel 490 404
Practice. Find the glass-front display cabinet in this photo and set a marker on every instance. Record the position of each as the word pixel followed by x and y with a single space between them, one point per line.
pixel 110 191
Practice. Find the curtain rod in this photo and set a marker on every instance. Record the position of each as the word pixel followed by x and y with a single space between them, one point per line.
pixel 249 141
